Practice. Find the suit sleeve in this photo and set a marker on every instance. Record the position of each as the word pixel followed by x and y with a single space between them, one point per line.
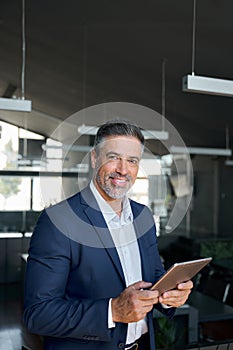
pixel 47 310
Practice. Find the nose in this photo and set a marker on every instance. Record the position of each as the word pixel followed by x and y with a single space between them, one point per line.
pixel 122 166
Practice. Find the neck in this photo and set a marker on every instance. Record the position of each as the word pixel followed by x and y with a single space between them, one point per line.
pixel 116 206
pixel 115 203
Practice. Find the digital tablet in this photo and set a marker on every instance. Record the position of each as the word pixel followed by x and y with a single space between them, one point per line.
pixel 178 273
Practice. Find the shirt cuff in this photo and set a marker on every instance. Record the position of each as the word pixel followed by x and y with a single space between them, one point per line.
pixel 166 306
pixel 111 323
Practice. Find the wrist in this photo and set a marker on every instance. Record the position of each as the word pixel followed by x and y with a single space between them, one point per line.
pixel 113 308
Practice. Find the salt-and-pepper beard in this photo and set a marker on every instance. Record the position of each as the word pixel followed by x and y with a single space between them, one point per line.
pixel 113 191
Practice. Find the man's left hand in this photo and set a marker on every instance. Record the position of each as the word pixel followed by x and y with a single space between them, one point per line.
pixel 178 296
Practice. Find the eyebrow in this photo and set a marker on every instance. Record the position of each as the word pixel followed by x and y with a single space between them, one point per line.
pixel 120 155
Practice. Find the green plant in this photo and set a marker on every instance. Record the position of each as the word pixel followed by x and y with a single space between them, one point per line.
pixel 165 333
pixel 217 249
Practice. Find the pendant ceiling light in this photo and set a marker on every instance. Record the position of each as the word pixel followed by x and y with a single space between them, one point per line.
pixel 202 84
pixel 148 134
pixel 205 151
pixel 19 104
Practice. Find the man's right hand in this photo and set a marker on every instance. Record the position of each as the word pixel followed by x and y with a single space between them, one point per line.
pixel 134 302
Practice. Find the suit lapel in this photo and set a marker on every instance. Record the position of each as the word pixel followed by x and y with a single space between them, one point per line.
pixel 145 264
pixel 96 218
pixel 94 215
pixel 140 226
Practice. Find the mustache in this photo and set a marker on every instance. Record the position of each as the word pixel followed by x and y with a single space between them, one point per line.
pixel 115 175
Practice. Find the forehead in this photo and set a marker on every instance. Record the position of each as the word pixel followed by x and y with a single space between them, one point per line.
pixel 126 145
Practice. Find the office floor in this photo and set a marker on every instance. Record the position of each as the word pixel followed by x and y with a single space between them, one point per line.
pixel 12 331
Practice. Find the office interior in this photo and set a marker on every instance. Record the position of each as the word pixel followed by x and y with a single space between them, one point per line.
pixel 81 63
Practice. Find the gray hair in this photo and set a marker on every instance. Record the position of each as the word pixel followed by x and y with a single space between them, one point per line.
pixel 118 128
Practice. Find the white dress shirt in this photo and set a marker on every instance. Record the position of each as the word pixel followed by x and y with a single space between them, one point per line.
pixel 124 237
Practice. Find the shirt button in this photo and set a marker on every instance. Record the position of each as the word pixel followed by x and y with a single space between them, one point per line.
pixel 121 345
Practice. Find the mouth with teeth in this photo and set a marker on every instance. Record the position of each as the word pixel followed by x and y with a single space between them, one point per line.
pixel 120 181
pixel 115 185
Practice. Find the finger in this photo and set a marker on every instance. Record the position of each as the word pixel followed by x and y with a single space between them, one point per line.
pixel 176 293
pixel 148 303
pixel 185 285
pixel 176 298
pixel 151 295
pixel 173 298
pixel 142 298
pixel 140 285
pixel 147 309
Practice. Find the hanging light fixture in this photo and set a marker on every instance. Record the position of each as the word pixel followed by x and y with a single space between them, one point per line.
pixel 148 134
pixel 202 84
pixel 19 104
pixel 218 152
pixel 228 161
pixel 201 151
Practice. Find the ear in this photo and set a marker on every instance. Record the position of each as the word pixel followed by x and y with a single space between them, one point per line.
pixel 93 158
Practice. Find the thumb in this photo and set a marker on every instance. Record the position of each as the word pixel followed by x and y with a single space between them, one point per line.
pixel 141 285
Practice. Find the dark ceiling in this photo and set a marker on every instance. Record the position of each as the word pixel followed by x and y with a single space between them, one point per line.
pixel 82 52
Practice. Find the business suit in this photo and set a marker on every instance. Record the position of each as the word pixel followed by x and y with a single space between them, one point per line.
pixel 73 269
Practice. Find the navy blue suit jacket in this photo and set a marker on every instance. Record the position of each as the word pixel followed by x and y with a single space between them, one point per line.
pixel 72 271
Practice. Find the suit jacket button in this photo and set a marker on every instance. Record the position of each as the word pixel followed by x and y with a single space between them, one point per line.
pixel 121 345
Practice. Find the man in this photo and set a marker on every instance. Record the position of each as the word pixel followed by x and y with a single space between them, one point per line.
pixel 94 257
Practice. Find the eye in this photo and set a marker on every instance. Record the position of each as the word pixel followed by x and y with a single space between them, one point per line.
pixel 113 157
pixel 133 161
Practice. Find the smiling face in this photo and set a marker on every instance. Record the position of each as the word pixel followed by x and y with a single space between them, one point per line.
pixel 116 164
